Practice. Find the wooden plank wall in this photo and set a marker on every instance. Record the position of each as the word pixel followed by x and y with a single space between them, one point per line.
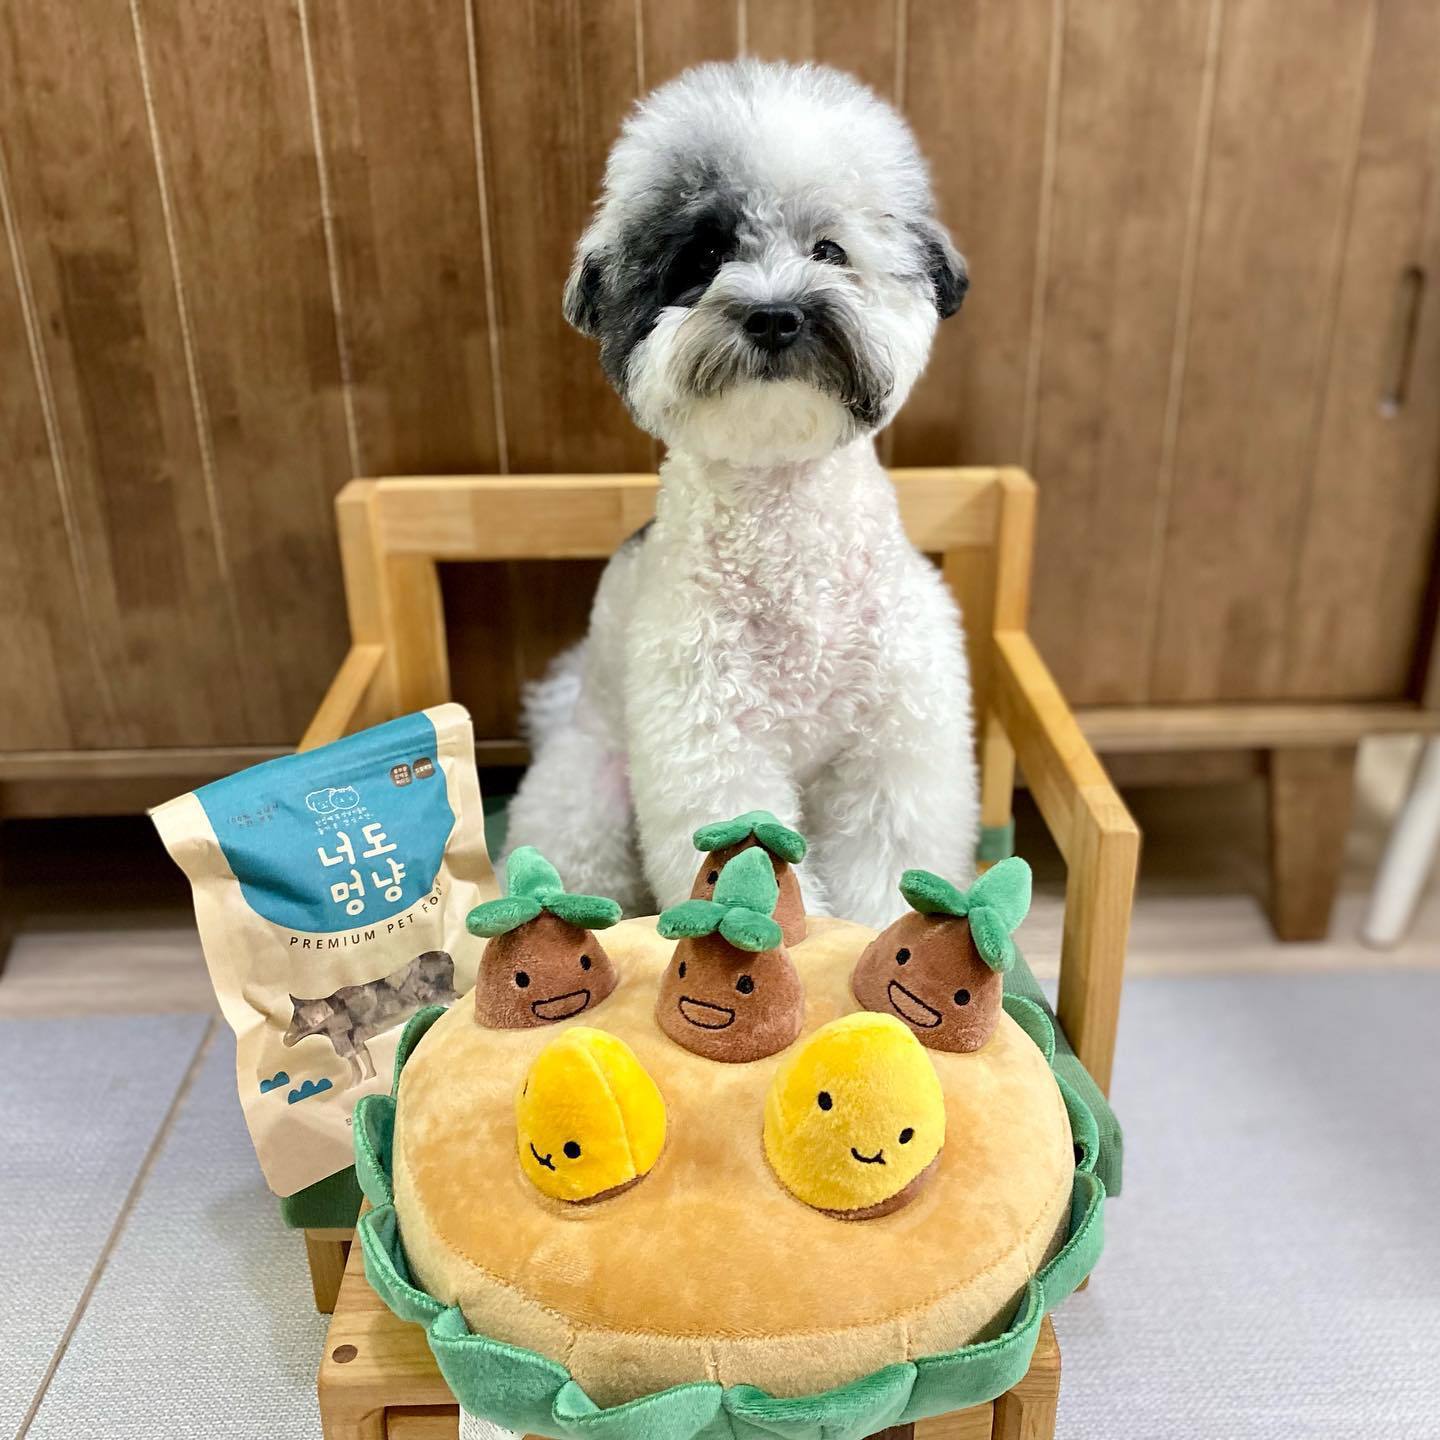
pixel 251 250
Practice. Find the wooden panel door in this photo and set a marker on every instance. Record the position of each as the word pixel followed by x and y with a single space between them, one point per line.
pixel 1118 282
pixel 980 83
pixel 1270 254
pixel 91 262
pixel 252 250
pixel 1365 548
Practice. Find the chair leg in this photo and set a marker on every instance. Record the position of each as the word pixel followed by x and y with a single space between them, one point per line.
pixel 1410 852
pixel 327 1264
pixel 1310 801
pixel 1028 1411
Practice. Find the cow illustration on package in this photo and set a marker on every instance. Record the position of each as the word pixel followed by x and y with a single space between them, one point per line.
pixel 357 1013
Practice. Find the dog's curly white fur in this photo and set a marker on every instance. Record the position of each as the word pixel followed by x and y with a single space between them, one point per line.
pixel 764 273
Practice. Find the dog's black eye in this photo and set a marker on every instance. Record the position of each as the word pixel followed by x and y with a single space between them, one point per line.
pixel 694 267
pixel 823 1100
pixel 745 985
pixel 901 955
pixel 962 997
pixel 521 979
pixel 584 962
pixel 572 1150
pixel 829 253
pixel 682 969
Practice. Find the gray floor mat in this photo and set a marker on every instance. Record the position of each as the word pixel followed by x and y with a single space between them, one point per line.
pixel 81 1102
pixel 1273 1268
pixel 202 1324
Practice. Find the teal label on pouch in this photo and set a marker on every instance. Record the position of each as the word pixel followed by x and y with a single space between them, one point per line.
pixel 338 837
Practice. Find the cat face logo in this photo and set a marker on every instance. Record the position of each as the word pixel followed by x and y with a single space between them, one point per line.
pixel 323 802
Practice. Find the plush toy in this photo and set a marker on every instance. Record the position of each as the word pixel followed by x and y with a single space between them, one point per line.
pixel 941 967
pixel 786 847
pixel 543 962
pixel 855 1119
pixel 590 1121
pixel 731 991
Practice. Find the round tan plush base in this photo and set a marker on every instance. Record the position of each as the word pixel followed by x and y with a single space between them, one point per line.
pixel 708 1269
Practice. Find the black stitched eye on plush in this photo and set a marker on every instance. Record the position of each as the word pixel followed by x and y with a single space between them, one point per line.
pixel 823 1100
pixel 572 1150
pixel 584 962
pixel 712 877
pixel 695 265
pixel 682 969
pixel 521 979
pixel 829 253
pixel 962 997
pixel 901 955
pixel 906 1135
pixel 745 985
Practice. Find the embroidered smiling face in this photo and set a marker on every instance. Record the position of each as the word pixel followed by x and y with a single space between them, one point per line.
pixel 730 1004
pixel 589 1119
pixel 855 1119
pixel 543 971
pixel 543 962
pixel 927 971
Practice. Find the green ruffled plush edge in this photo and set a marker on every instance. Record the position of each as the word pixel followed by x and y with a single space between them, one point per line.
pixel 523 1391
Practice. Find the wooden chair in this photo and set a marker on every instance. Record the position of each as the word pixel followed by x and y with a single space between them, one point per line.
pixel 980 525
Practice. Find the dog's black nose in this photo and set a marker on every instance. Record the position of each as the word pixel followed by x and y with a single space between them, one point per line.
pixel 773 327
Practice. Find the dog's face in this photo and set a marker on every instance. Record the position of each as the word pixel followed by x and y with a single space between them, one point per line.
pixel 765 271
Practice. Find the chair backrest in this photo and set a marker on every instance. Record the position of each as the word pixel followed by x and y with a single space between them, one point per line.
pixel 394 532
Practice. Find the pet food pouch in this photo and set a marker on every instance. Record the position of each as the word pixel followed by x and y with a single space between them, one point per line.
pixel 331 890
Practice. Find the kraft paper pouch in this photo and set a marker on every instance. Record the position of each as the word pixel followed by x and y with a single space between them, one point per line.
pixel 331 890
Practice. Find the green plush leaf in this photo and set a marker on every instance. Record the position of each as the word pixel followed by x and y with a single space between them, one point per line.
pixel 1005 889
pixel 588 912
pixel 528 872
pixel 499 917
pixel 991 938
pixel 931 895
pixel 780 840
pixel 749 929
pixel 690 919
pixel 724 832
pixel 749 880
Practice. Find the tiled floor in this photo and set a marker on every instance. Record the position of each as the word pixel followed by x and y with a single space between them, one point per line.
pixel 147 1287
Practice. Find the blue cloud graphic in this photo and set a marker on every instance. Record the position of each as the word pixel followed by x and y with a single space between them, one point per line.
pixel 278 1079
pixel 307 1089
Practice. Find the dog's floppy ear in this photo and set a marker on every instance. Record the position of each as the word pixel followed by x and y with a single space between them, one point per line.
pixel 944 264
pixel 582 291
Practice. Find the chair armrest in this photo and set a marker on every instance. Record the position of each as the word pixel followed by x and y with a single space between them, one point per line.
pixel 1095 834
pixel 347 705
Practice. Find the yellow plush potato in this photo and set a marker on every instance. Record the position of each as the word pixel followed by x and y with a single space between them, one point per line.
pixel 590 1120
pixel 855 1119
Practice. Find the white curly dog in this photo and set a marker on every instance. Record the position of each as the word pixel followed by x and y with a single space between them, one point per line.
pixel 764 273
